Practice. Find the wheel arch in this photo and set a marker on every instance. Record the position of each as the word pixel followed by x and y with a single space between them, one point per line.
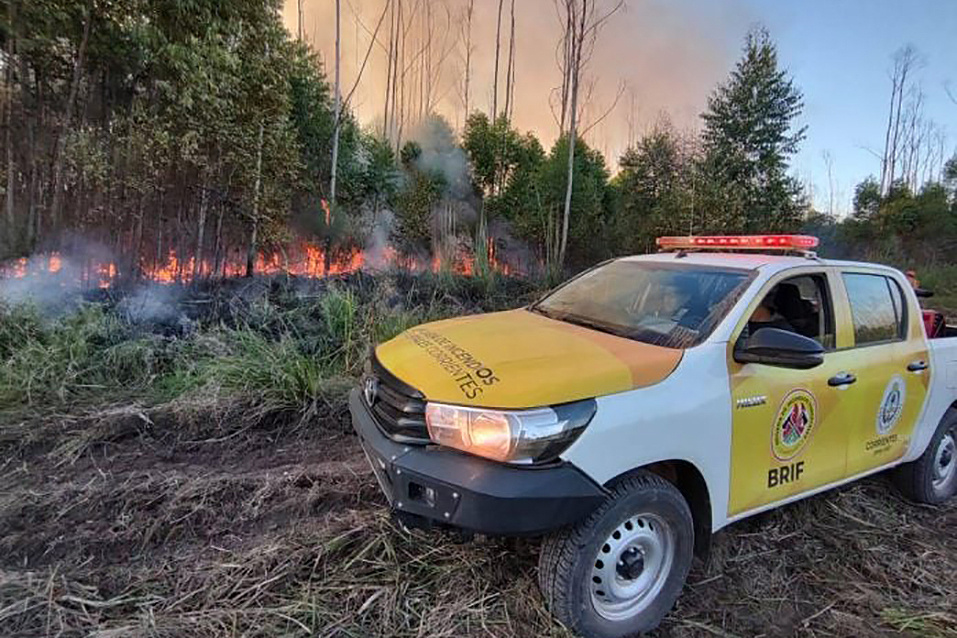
pixel 689 480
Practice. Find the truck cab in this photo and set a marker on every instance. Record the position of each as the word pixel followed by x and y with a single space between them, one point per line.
pixel 651 401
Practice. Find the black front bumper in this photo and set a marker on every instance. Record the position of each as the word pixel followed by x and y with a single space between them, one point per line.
pixel 448 487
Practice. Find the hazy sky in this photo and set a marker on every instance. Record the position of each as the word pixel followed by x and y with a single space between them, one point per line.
pixel 668 55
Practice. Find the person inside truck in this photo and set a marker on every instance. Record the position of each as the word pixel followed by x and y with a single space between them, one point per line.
pixel 766 315
pixel 912 279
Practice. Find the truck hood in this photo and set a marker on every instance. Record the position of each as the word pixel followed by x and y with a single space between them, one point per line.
pixel 520 359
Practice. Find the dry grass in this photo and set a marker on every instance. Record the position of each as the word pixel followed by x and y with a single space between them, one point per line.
pixel 185 520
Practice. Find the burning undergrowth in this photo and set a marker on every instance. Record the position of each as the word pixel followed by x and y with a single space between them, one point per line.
pixel 177 459
pixel 51 274
pixel 158 341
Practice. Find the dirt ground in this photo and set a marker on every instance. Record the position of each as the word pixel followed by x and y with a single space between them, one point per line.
pixel 194 520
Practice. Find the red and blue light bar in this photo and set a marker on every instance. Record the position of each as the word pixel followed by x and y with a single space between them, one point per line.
pixel 739 242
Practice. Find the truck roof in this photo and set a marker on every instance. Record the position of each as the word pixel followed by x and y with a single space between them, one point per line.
pixel 748 261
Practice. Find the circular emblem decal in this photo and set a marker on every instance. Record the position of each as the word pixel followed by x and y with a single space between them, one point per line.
pixel 793 424
pixel 892 405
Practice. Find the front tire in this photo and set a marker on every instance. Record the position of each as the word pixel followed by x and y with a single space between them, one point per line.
pixel 932 477
pixel 619 571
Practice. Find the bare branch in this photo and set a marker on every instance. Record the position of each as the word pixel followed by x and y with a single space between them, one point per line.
pixel 365 60
pixel 621 91
pixel 368 31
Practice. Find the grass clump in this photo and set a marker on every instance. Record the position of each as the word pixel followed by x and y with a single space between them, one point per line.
pixel 280 345
pixel 275 371
pixel 74 358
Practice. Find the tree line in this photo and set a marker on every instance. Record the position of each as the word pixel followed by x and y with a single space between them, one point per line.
pixel 205 129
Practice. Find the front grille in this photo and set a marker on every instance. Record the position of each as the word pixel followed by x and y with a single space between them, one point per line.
pixel 398 408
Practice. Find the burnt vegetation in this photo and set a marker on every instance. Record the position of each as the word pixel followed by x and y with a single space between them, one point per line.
pixel 175 452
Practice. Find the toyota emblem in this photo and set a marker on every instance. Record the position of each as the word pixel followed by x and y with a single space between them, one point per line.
pixel 370 389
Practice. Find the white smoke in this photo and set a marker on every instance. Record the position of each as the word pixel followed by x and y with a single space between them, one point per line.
pixel 442 155
pixel 378 249
pixel 57 278
pixel 152 302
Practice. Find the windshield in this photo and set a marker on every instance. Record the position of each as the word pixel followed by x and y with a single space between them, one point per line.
pixel 667 305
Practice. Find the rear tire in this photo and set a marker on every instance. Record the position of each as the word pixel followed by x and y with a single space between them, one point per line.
pixel 619 571
pixel 932 478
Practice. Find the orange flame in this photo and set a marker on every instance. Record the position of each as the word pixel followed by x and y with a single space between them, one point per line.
pixel 303 259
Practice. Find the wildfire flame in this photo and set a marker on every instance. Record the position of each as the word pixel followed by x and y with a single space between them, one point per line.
pixel 306 260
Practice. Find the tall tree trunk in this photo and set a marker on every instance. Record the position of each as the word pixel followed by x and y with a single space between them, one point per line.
pixel 510 67
pixel 68 121
pixel 904 61
pixel 338 109
pixel 158 256
pixel 11 168
pixel 386 133
pixel 498 45
pixel 201 229
pixel 33 186
pixel 218 246
pixel 137 248
pixel 578 42
pixel 399 91
pixel 254 232
pixel 570 7
pixel 396 117
pixel 469 11
pixel 572 132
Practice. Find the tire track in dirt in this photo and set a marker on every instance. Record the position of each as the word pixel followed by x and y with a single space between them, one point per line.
pixel 122 506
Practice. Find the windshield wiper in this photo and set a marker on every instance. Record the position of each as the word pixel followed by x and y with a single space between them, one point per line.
pixel 551 314
pixel 600 326
pixel 634 333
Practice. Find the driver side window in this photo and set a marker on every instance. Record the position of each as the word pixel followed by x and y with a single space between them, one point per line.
pixel 800 304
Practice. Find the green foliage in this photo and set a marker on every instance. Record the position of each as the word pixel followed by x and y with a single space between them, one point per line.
pixel 653 190
pixel 900 226
pixel 205 108
pixel 313 122
pixel 339 308
pixel 591 198
pixel 414 205
pixel 521 199
pixel 379 178
pixel 748 141
pixel 410 153
pixel 390 324
pixel 495 150
pixel 286 351
pixel 70 358
pixel 277 372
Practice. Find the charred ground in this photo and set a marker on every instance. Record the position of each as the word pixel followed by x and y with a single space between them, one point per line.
pixel 179 460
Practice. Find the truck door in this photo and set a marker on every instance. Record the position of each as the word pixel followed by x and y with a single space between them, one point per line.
pixel 790 427
pixel 892 370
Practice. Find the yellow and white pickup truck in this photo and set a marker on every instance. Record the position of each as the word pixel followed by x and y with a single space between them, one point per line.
pixel 653 400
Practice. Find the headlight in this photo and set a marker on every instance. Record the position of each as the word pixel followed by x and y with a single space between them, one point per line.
pixel 519 436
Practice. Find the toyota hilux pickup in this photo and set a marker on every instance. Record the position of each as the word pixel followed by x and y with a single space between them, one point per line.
pixel 651 401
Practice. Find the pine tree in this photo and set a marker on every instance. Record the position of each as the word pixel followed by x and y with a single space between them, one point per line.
pixel 749 139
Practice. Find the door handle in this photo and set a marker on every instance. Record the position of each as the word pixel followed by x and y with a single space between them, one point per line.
pixel 917 366
pixel 841 378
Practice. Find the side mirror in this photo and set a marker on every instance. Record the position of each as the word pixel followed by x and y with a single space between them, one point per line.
pixel 923 293
pixel 782 348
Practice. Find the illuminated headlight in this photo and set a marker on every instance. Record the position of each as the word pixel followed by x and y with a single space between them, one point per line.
pixel 515 436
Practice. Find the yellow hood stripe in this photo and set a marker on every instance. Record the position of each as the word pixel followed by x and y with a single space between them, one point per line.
pixel 645 363
pixel 518 359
